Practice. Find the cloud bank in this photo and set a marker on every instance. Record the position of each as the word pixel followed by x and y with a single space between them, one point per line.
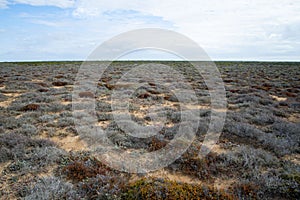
pixel 229 29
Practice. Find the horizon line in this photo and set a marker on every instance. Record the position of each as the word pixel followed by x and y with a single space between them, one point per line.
pixel 149 60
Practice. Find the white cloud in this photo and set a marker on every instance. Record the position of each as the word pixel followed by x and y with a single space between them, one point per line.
pixel 47 23
pixel 57 3
pixel 218 26
pixel 94 8
pixel 3 4
pixel 58 36
pixel 226 29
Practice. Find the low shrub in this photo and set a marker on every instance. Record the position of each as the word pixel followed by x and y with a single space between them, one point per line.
pixel 3 97
pixel 65 122
pixel 43 90
pixel 157 143
pixel 59 83
pixel 106 187
pixel 15 146
pixel 50 188
pixel 86 95
pixel 55 107
pixel 250 158
pixel 166 189
pixel 280 145
pixel 27 129
pixel 284 186
pixel 47 118
pixel 205 169
pixel 84 168
pixel 245 190
pixel 30 107
pixel 242 129
pixel 35 160
pixel 103 106
pixel 11 123
pixel 263 119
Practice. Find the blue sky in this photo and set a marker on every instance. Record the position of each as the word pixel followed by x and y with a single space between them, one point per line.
pixel 226 30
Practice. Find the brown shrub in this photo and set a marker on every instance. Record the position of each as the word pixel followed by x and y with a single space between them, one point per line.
pixel 109 86
pixel 152 84
pixel 30 107
pixel 42 84
pixel 244 190
pixel 265 88
pixel 144 95
pixel 228 80
pixel 234 90
pixel 292 90
pixel 157 144
pixel 43 90
pixel 86 95
pixel 79 170
pixel 105 79
pixel 172 98
pixel 59 76
pixel 290 94
pixel 59 83
pixel 206 168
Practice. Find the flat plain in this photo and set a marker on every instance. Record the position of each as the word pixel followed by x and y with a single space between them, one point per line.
pixel 257 156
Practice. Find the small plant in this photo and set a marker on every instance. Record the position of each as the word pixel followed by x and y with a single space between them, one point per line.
pixel 30 107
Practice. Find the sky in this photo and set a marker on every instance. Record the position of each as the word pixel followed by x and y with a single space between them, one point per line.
pixel 259 30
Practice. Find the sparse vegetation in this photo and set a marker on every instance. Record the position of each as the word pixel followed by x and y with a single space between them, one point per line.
pixel 43 157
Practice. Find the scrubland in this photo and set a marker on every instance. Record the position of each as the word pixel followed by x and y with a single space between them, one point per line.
pixel 257 156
